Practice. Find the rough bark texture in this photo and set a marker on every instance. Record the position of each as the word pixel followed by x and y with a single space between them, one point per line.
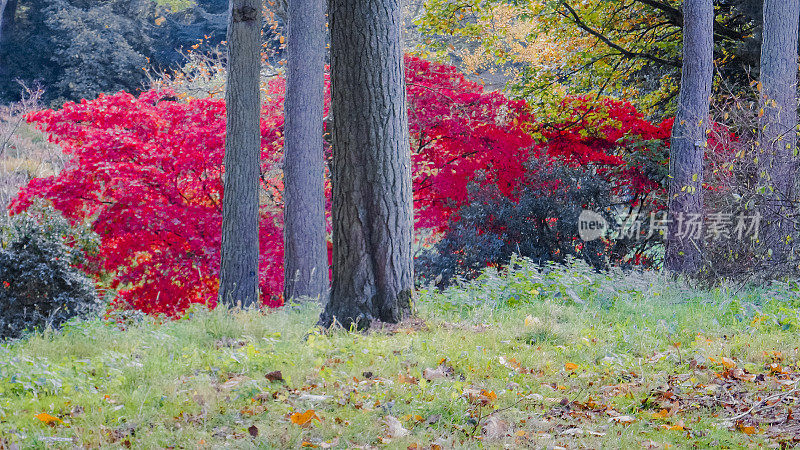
pixel 305 248
pixel 239 266
pixel 3 19
pixel 373 268
pixel 778 135
pixel 8 10
pixel 689 135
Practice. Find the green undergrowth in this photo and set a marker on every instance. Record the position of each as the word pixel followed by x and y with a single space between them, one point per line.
pixel 521 357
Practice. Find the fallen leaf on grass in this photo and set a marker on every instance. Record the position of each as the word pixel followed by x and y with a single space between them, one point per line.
pixel 253 430
pixel 625 420
pixel 728 363
pixel 394 429
pixel 232 383
pixel 407 379
pixel 304 419
pixel 494 428
pixel 677 427
pixel 570 366
pixel 480 396
pixel 441 371
pixel 275 376
pixel 740 374
pixel 746 429
pixel 48 419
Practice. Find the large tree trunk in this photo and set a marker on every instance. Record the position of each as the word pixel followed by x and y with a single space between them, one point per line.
pixel 778 133
pixel 373 271
pixel 305 249
pixel 689 134
pixel 239 266
pixel 8 10
pixel 3 20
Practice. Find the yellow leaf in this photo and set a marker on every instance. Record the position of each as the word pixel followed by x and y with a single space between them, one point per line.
pixel 283 39
pixel 570 366
pixel 160 20
pixel 48 419
pixel 304 419
pixel 530 320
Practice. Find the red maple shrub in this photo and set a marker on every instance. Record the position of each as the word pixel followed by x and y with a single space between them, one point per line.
pixel 146 173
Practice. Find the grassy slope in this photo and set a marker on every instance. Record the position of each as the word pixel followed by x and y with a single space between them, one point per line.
pixel 564 353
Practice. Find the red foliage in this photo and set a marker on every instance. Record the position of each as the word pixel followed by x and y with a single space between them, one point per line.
pixel 598 132
pixel 457 130
pixel 146 173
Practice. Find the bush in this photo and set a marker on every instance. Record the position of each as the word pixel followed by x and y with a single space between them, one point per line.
pixel 40 284
pixel 539 222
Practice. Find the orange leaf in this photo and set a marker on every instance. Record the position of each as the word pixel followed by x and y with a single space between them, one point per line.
pixel 309 444
pixel 407 379
pixel 48 419
pixel 728 363
pixel 677 427
pixel 489 394
pixel 570 366
pixel 304 419
pixel 661 414
pixel 746 429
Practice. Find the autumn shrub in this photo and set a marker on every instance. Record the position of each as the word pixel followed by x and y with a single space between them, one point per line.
pixel 539 223
pixel 41 281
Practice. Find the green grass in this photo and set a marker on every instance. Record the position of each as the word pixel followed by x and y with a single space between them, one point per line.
pixel 563 350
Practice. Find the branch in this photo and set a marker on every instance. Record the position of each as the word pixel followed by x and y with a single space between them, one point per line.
pixel 676 18
pixel 626 53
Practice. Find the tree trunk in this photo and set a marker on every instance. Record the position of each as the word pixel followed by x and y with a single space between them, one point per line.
pixel 3 20
pixel 305 249
pixel 8 10
pixel 239 265
pixel 778 134
pixel 689 134
pixel 373 271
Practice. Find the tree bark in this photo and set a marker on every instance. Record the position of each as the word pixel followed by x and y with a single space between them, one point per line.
pixel 305 248
pixel 778 133
pixel 689 136
pixel 373 272
pixel 8 11
pixel 240 249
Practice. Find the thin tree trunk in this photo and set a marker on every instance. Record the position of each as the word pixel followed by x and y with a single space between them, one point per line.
pixel 240 251
pixel 778 133
pixel 689 135
pixel 373 272
pixel 305 249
